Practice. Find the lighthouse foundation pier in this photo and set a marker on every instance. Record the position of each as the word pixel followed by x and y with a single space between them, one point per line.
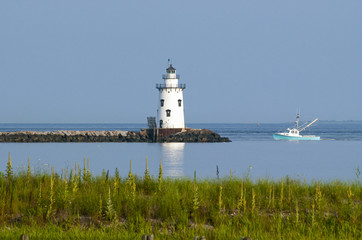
pixel 145 135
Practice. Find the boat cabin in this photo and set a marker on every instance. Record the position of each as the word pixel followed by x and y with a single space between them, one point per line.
pixel 293 132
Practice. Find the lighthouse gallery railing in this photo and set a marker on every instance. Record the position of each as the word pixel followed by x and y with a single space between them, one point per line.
pixel 163 86
pixel 167 76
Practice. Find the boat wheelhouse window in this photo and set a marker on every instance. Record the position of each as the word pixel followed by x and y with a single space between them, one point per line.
pixel 162 102
pixel 168 113
pixel 179 102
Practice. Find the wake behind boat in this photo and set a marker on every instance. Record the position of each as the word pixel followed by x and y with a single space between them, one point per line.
pixel 294 133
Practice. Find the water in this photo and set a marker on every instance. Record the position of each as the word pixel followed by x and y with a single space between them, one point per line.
pixel 252 151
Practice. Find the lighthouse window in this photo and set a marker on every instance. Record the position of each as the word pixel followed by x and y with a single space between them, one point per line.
pixel 168 113
pixel 179 102
pixel 162 102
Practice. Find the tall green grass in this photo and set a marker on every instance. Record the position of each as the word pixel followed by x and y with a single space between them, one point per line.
pixel 75 205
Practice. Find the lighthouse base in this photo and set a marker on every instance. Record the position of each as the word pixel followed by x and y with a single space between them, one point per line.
pixel 166 132
pixel 161 133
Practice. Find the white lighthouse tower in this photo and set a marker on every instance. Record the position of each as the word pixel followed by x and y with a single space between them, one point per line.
pixel 170 112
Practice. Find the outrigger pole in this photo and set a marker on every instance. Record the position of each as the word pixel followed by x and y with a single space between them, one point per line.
pixel 308 124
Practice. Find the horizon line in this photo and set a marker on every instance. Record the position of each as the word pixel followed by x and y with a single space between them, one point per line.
pixel 138 123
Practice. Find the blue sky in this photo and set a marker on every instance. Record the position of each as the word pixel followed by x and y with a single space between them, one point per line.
pixel 90 61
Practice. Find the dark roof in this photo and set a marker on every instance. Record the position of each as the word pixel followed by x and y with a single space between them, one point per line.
pixel 170 68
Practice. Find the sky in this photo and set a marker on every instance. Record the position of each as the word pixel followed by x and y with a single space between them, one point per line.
pixel 91 61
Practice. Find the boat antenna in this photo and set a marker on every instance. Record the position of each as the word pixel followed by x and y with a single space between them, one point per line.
pixel 297 121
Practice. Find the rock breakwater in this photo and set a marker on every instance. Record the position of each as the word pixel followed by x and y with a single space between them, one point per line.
pixel 191 135
pixel 195 135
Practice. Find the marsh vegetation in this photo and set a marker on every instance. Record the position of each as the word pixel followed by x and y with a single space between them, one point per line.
pixel 74 204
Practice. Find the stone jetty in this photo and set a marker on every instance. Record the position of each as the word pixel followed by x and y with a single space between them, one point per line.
pixel 191 135
pixel 195 135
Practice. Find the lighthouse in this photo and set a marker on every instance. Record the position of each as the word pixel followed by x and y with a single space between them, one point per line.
pixel 170 111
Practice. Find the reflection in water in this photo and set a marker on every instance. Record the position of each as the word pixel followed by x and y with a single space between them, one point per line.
pixel 173 159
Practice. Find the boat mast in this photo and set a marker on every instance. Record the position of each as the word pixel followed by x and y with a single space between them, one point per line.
pixel 308 124
pixel 297 121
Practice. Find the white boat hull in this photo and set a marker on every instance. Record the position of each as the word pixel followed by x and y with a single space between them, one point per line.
pixel 278 136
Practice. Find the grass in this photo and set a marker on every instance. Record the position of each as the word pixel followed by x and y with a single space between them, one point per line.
pixel 77 205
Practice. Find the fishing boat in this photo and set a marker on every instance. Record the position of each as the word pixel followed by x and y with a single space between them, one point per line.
pixel 294 133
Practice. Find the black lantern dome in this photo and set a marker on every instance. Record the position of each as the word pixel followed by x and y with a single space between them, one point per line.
pixel 171 69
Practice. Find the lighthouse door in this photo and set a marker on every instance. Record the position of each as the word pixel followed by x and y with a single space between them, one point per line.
pixel 161 123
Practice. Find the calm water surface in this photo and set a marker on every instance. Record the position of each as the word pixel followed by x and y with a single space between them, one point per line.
pixel 253 149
